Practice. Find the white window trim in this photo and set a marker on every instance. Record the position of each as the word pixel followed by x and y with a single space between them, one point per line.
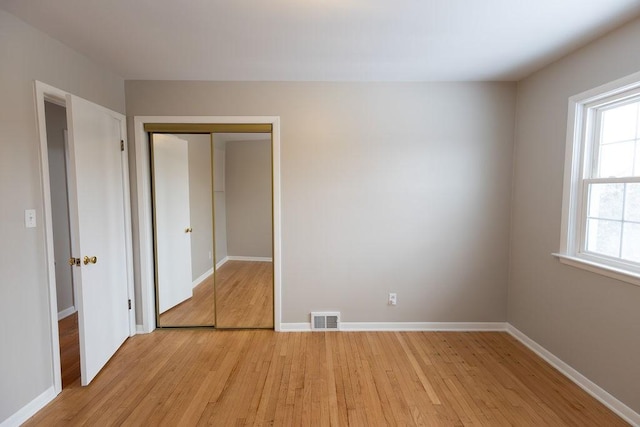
pixel 572 199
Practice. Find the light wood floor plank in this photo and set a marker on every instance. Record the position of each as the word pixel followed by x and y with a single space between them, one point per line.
pixel 208 377
pixel 69 349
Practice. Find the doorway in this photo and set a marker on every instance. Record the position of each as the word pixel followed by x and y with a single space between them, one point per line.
pixel 196 124
pixel 97 224
pixel 69 348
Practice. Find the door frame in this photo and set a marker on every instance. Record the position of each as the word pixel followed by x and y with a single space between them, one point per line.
pixel 45 92
pixel 144 213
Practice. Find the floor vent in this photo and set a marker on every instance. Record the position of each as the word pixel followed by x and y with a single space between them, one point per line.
pixel 325 321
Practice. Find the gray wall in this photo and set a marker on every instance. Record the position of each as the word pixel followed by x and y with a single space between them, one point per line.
pixel 27 54
pixel 200 194
pixel 401 187
pixel 56 124
pixel 589 321
pixel 220 205
pixel 221 226
pixel 249 198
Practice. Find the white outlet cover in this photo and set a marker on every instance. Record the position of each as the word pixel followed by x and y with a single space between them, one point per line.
pixel 30 218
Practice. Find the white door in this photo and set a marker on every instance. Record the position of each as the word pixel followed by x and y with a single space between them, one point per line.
pixel 97 218
pixel 172 217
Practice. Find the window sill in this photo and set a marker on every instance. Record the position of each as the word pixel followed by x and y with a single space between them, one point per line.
pixel 602 269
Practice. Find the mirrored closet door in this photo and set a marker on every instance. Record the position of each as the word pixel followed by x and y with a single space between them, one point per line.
pixel 213 227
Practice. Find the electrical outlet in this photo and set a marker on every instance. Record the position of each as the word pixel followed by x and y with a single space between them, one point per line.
pixel 393 298
pixel 30 218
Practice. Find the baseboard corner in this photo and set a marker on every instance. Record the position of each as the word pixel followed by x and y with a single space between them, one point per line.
pixel 222 262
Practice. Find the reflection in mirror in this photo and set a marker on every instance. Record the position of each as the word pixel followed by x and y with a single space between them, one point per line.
pixel 183 229
pixel 244 230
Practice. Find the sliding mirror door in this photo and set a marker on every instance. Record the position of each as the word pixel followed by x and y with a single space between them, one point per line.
pixel 183 229
pixel 244 230
pixel 213 226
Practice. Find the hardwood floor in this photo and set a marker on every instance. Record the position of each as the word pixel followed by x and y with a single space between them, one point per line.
pixel 196 311
pixel 245 299
pixel 209 377
pixel 69 349
pixel 245 294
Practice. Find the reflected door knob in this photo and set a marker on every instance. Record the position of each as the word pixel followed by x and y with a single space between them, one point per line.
pixel 188 230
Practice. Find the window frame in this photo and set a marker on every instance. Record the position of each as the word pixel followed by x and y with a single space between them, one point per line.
pixel 580 153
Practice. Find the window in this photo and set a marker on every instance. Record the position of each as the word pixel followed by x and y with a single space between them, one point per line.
pixel 601 204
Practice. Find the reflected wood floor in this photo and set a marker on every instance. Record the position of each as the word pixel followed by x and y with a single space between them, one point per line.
pixel 210 377
pixel 245 298
pixel 245 294
pixel 197 310
pixel 69 349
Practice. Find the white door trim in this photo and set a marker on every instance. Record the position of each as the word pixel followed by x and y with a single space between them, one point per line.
pixel 145 231
pixel 49 93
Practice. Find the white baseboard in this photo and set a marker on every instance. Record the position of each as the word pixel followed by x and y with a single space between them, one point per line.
pixel 403 326
pixel 202 278
pixel 141 330
pixel 622 410
pixel 295 327
pixel 66 312
pixel 423 326
pixel 242 258
pixel 30 409
pixel 222 262
pixel 249 258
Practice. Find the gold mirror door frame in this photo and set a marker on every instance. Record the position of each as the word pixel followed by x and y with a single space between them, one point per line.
pixel 183 229
pixel 237 291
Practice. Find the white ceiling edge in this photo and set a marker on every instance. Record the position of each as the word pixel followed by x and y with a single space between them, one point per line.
pixel 330 41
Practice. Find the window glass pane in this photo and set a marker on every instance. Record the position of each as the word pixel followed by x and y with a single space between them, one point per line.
pixel 619 124
pixel 631 242
pixel 603 237
pixel 632 202
pixel 606 201
pixel 616 160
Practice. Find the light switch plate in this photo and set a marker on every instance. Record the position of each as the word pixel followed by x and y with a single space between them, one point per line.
pixel 30 218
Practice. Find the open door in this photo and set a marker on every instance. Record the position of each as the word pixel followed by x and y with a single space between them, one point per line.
pixel 98 231
pixel 170 156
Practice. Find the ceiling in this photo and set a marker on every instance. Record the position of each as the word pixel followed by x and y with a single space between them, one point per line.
pixel 324 40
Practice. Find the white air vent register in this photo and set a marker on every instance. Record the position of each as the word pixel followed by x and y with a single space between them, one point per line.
pixel 325 321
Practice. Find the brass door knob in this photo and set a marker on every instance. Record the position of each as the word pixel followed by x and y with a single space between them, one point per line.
pixel 188 230
pixel 91 260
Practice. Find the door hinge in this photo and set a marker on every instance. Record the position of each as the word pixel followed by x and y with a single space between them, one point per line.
pixel 129 304
pixel 122 145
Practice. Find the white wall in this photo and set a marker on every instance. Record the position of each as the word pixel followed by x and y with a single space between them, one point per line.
pixel 401 187
pixel 589 321
pixel 27 54
pixel 56 124
pixel 248 194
